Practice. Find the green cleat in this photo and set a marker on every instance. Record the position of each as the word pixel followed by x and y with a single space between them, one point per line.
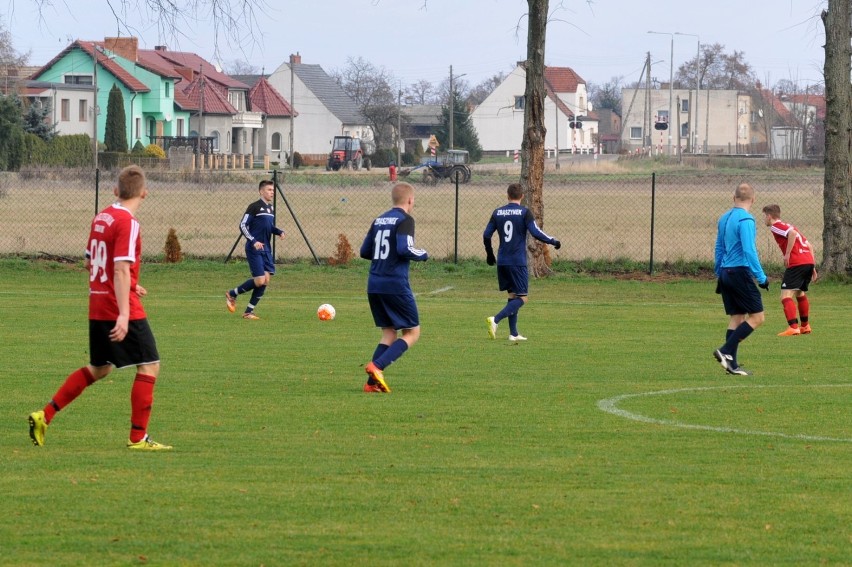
pixel 147 444
pixel 492 327
pixel 38 427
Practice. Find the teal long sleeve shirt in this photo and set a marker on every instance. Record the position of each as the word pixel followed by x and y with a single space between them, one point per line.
pixel 735 243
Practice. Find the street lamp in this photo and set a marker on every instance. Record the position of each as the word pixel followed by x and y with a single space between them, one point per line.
pixel 452 110
pixel 671 78
pixel 697 89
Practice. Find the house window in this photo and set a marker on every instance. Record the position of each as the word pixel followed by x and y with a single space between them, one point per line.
pixel 65 110
pixel 753 117
pixel 83 107
pixel 168 89
pixel 684 105
pixel 684 130
pixel 276 142
pixel 635 132
pixel 78 79
pixel 520 103
pixel 179 131
pixel 215 135
pixel 138 127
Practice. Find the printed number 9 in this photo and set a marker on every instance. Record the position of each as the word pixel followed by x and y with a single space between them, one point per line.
pixel 97 260
pixel 507 231
pixel 381 249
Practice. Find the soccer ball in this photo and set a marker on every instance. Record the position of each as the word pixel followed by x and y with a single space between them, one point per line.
pixel 326 312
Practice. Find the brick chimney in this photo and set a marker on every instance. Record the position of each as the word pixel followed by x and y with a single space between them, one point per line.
pixel 295 59
pixel 160 48
pixel 127 47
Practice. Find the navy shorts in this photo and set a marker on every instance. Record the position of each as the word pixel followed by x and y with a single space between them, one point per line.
pixel 798 277
pixel 739 292
pixel 138 347
pixel 397 310
pixel 514 279
pixel 260 261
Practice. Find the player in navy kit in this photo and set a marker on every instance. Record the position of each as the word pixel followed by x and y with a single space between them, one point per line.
pixel 258 226
pixel 512 222
pixel 389 245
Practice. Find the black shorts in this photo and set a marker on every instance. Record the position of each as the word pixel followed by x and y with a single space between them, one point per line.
pixel 798 277
pixel 138 347
pixel 739 292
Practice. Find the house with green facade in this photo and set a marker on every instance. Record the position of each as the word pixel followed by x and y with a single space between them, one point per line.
pixel 93 68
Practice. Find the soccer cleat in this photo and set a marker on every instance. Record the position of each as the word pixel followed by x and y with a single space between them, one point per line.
pixel 726 360
pixel 805 329
pixel 230 302
pixel 372 388
pixel 147 444
pixel 492 327
pixel 250 315
pixel 516 338
pixel 738 371
pixel 378 377
pixel 38 427
pixel 790 332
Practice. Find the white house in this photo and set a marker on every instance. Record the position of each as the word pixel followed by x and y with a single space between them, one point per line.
pixel 323 109
pixel 499 120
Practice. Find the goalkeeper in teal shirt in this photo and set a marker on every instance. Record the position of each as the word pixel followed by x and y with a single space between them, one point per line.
pixel 737 268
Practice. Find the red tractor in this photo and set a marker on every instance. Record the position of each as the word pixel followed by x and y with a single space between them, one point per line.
pixel 348 152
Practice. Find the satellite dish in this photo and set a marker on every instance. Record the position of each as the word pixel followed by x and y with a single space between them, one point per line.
pixel 760 112
pixel 168 117
pixel 217 67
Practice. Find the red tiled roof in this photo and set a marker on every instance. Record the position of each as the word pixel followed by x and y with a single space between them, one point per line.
pixel 132 83
pixel 264 98
pixel 563 79
pixel 817 101
pixel 214 101
pixel 781 111
pixel 177 59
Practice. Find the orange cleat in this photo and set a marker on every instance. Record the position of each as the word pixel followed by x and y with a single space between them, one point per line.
pixel 372 388
pixel 230 302
pixel 378 376
pixel 790 332
pixel 805 329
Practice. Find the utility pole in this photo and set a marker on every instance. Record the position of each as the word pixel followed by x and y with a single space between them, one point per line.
pixel 95 103
pixel 450 146
pixel 694 126
pixel 398 127
pixel 672 122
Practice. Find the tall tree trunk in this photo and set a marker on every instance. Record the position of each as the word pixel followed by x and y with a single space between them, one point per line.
pixel 532 148
pixel 837 212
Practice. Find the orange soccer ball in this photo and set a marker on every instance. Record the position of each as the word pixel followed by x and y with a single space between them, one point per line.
pixel 326 312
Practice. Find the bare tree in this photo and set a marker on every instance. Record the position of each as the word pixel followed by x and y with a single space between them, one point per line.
pixel 234 21
pixel 532 147
pixel 837 191
pixel 240 67
pixel 370 88
pixel 716 70
pixel 10 59
pixel 421 92
pixel 481 91
pixel 607 95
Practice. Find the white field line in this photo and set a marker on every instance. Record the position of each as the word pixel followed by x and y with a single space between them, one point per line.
pixel 610 405
pixel 435 291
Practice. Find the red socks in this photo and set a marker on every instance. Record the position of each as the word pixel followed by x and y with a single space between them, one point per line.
pixel 790 311
pixel 141 400
pixel 804 308
pixel 73 386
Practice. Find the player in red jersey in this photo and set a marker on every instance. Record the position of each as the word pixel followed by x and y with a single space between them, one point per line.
pixel 119 334
pixel 799 271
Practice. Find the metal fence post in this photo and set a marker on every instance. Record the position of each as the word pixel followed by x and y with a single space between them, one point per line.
pixel 653 201
pixel 456 236
pixel 97 189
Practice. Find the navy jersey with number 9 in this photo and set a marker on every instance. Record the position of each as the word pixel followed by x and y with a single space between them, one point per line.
pixel 512 222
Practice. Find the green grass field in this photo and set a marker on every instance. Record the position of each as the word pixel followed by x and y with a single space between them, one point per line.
pixel 611 437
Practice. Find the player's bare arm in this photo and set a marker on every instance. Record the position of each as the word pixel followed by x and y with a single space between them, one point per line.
pixel 122 297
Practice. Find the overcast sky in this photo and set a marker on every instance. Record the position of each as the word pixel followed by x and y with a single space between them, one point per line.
pixel 420 39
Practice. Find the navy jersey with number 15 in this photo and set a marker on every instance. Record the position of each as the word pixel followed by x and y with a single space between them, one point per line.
pixel 389 244
pixel 512 222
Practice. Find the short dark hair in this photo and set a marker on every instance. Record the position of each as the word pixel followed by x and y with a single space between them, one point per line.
pixel 515 191
pixel 773 211
pixel 264 183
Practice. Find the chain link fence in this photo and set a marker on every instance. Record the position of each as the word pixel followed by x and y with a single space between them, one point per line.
pixel 598 217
